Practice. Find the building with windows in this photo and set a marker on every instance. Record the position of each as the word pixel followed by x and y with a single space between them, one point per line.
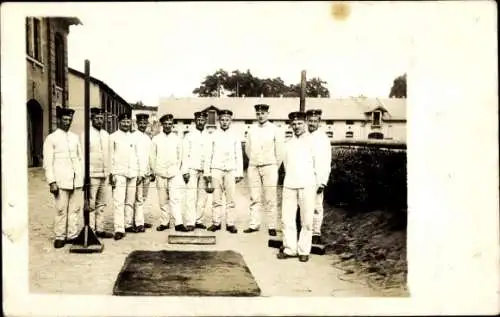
pixel 151 111
pixel 47 78
pixel 101 96
pixel 347 118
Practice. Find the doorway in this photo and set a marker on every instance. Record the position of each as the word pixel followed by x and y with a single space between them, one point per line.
pixel 35 133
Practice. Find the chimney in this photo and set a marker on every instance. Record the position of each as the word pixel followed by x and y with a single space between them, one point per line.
pixel 261 95
pixel 243 96
pixel 281 95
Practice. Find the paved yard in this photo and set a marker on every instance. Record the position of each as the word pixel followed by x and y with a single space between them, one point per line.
pixel 58 270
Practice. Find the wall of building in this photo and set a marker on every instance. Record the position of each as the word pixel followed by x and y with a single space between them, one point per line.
pixel 40 84
pixel 76 100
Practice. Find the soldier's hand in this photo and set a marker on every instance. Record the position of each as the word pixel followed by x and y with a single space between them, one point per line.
pixel 54 189
pixel 139 180
pixel 238 179
pixel 112 180
pixel 320 189
pixel 152 177
pixel 186 177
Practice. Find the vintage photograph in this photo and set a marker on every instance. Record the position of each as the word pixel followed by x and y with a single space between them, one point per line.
pixel 255 154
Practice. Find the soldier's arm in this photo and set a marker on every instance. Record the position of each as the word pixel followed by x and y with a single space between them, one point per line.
pixel 328 159
pixel 239 157
pixel 247 143
pixel 179 152
pixel 111 151
pixel 279 145
pixel 209 153
pixel 152 156
pixel 186 151
pixel 48 159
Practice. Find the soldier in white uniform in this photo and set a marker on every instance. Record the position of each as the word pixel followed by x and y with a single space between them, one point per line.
pixel 99 173
pixel 63 164
pixel 324 159
pixel 264 146
pixel 125 175
pixel 193 148
pixel 299 189
pixel 224 168
pixel 144 149
pixel 165 158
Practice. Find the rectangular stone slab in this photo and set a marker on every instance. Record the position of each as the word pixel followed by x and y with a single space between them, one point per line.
pixel 191 239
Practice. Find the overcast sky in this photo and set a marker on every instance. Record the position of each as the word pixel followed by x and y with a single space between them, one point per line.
pixel 168 48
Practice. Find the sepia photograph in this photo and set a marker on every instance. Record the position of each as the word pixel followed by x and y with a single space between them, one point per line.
pixel 252 158
pixel 213 158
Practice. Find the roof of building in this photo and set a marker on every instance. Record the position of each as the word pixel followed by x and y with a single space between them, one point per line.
pixel 99 83
pixel 136 106
pixel 332 108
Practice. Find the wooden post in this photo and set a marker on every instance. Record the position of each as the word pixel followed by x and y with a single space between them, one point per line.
pixel 87 241
pixel 302 107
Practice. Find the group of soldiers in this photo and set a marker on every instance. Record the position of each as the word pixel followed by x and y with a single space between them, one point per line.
pixel 186 170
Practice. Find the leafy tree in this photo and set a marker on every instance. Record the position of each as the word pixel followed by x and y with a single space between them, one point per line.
pixel 240 83
pixel 398 89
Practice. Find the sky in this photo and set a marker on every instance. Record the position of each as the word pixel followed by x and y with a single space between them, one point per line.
pixel 167 49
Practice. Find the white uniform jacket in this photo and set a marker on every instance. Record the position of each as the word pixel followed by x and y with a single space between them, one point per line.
pixel 63 159
pixel 193 150
pixel 224 152
pixel 264 144
pixel 323 155
pixel 124 155
pixel 99 153
pixel 300 163
pixel 144 149
pixel 166 154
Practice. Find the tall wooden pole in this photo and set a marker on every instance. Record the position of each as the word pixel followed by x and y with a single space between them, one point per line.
pixel 303 91
pixel 87 241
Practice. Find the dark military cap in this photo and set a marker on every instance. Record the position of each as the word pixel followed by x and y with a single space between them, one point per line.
pixel 202 114
pixel 124 115
pixel 142 116
pixel 261 107
pixel 225 112
pixel 166 117
pixel 314 112
pixel 297 115
pixel 95 110
pixel 64 112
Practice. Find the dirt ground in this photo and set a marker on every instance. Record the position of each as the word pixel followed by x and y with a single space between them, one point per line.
pixel 58 271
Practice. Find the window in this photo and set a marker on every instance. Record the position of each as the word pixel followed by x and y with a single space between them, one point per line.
pixel 28 36
pixel 187 122
pixel 329 122
pixel 376 135
pixel 37 40
pixel 376 118
pixel 59 50
pixel 349 134
pixel 211 117
pixel 248 122
pixel 329 134
pixel 349 122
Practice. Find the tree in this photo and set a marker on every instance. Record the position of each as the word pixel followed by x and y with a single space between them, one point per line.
pixel 240 83
pixel 398 89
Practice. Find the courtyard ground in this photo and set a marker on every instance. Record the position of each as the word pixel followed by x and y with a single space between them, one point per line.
pixel 58 271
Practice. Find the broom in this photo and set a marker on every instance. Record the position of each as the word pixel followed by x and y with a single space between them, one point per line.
pixel 87 241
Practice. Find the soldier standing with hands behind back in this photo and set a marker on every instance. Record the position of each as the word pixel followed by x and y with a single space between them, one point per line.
pixel 125 175
pixel 144 148
pixel 193 149
pixel 299 189
pixel 324 159
pixel 63 164
pixel 264 150
pixel 99 172
pixel 224 168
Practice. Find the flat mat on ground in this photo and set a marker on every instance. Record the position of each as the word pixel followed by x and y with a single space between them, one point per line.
pixel 185 273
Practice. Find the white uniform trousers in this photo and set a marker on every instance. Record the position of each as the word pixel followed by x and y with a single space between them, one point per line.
pixel 141 196
pixel 304 198
pixel 318 215
pixel 195 198
pixel 224 183
pixel 97 202
pixel 69 207
pixel 169 197
pixel 123 201
pixel 263 179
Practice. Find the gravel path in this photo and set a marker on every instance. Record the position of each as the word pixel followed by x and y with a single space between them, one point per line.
pixel 59 271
